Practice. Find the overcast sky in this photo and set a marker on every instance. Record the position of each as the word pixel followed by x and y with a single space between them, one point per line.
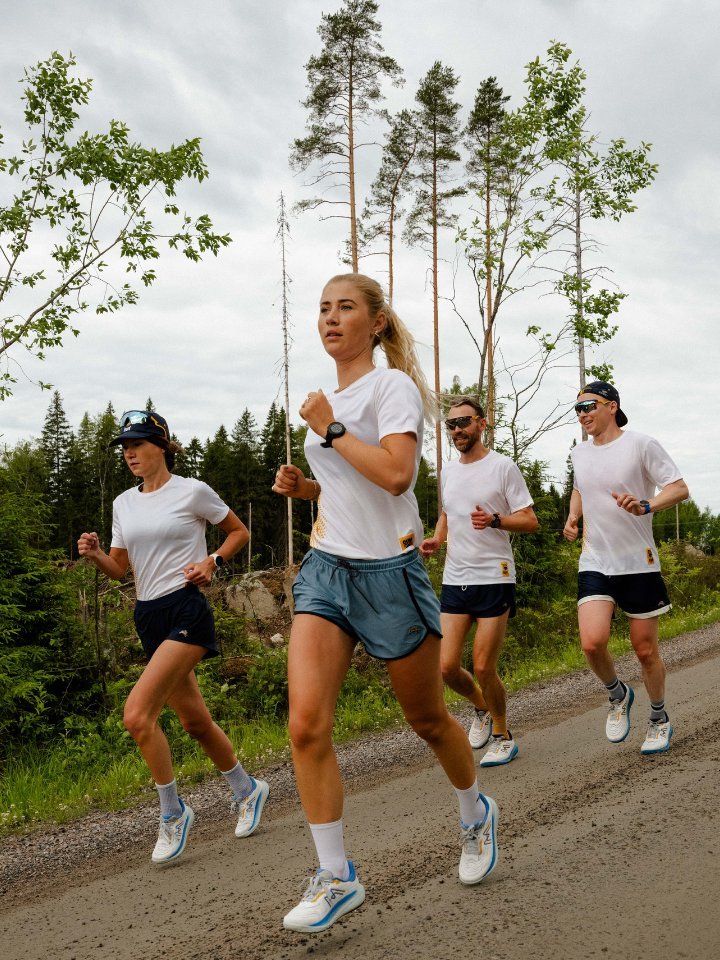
pixel 205 341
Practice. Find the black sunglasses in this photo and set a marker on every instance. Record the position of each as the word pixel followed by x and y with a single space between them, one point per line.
pixel 587 406
pixel 461 422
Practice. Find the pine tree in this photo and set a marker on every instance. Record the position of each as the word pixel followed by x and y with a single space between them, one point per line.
pixel 382 208
pixel 438 135
pixel 344 91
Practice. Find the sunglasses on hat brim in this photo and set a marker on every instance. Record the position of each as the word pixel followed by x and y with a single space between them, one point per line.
pixel 132 418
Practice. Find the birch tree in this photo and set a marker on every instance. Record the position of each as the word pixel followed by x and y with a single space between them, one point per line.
pixel 80 205
pixel 515 221
pixel 596 183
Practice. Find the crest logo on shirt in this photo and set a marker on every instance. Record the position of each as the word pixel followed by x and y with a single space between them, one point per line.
pixel 505 568
pixel 407 541
pixel 650 557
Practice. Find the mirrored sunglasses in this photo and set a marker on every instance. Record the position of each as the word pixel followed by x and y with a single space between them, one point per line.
pixel 587 406
pixel 461 422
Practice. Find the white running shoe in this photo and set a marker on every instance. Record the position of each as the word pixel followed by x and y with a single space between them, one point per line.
pixel 479 847
pixel 617 725
pixel 480 729
pixel 326 900
pixel 172 836
pixel 501 751
pixel 658 737
pixel 250 809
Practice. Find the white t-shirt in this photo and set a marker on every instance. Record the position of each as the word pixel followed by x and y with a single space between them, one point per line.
pixel 616 542
pixel 356 518
pixel 164 530
pixel 495 484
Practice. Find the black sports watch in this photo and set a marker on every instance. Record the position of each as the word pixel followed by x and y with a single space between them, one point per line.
pixel 645 504
pixel 335 430
pixel 496 521
pixel 219 561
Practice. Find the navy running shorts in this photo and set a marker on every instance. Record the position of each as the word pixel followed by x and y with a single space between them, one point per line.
pixel 183 615
pixel 387 605
pixel 640 595
pixel 482 601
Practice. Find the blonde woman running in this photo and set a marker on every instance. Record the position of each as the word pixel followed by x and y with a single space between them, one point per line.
pixel 159 530
pixel 363 580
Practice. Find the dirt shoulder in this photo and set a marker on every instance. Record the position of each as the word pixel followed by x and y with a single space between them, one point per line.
pixel 601 850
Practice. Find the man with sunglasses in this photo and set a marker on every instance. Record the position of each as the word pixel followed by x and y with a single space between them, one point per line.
pixel 485 498
pixel 616 475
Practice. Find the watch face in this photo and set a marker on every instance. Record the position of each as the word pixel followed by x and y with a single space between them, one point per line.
pixel 336 429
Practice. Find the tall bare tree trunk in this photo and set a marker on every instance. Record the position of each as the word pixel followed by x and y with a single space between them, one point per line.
pixel 489 314
pixel 391 237
pixel 282 229
pixel 580 313
pixel 351 171
pixel 436 328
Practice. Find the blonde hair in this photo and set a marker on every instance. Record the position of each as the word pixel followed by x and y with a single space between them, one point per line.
pixel 395 339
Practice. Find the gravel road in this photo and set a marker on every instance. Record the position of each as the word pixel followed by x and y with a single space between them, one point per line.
pixel 602 851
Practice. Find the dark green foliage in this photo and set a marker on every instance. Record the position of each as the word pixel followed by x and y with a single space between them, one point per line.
pixel 39 631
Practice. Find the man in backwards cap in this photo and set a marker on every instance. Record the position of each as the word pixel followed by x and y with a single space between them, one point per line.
pixel 617 473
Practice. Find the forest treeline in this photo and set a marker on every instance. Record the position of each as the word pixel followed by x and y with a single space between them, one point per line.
pixel 72 477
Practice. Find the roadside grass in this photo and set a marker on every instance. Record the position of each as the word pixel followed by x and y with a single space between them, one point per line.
pixel 101 768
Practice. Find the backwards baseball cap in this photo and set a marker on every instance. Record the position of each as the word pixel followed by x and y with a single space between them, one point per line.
pixel 143 425
pixel 602 389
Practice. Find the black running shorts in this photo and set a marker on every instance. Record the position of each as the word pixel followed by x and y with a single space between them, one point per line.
pixel 183 615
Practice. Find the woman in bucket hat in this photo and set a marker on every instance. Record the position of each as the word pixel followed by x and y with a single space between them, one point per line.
pixel 159 531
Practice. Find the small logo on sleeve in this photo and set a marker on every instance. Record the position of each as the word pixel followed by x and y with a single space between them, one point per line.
pixel 650 557
pixel 505 568
pixel 407 541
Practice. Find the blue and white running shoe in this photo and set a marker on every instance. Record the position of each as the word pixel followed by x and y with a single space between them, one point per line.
pixel 480 729
pixel 250 809
pixel 172 835
pixel 326 900
pixel 500 751
pixel 658 737
pixel 479 847
pixel 617 725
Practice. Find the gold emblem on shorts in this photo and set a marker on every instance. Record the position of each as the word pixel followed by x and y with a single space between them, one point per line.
pixel 650 557
pixel 505 568
pixel 407 541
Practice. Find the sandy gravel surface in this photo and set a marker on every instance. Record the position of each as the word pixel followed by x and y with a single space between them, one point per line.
pixel 602 851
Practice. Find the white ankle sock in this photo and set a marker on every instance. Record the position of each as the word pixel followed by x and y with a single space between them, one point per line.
pixel 473 808
pixel 330 846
